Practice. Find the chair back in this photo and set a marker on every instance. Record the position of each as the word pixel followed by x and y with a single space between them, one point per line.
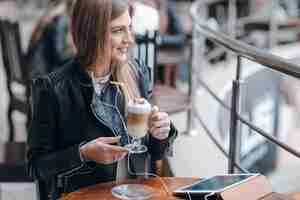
pixel 17 73
pixel 146 50
pixel 13 58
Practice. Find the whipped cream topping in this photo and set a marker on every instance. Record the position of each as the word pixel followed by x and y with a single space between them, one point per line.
pixel 139 108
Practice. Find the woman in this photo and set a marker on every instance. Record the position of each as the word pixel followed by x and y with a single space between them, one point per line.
pixel 79 115
pixel 50 45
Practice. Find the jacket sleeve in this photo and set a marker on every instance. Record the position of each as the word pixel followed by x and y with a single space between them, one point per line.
pixel 157 148
pixel 44 158
pixel 161 148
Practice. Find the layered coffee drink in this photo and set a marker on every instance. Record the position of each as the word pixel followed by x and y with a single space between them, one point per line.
pixel 137 118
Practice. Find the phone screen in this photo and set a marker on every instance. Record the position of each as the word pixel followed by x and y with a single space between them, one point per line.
pixel 217 182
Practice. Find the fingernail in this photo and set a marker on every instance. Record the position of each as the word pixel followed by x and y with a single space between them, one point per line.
pixel 155 109
pixel 123 155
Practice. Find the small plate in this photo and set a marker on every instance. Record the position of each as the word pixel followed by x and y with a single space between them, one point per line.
pixel 133 192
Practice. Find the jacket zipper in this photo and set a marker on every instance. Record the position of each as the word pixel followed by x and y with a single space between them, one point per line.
pixel 122 119
pixel 99 118
pixel 124 125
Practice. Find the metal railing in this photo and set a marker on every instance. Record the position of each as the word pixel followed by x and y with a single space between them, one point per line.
pixel 241 50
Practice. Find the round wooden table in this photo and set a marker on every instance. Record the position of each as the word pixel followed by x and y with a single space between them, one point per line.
pixel 296 196
pixel 103 191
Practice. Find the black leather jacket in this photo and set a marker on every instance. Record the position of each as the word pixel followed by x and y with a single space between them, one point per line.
pixel 63 118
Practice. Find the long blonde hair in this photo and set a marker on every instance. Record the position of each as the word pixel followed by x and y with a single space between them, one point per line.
pixel 90 28
pixel 125 77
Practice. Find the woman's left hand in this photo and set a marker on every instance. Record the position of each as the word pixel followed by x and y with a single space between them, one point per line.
pixel 159 124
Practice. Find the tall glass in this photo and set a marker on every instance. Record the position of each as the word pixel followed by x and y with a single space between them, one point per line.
pixel 138 113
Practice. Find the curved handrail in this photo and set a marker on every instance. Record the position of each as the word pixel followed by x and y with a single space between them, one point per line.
pixel 242 49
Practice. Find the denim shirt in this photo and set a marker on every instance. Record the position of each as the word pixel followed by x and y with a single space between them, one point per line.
pixel 109 113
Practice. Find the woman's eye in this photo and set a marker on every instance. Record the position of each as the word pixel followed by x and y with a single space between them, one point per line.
pixel 117 31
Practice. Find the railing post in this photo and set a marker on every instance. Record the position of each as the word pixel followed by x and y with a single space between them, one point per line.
pixel 274 24
pixel 232 18
pixel 197 63
pixel 233 139
pixel 190 123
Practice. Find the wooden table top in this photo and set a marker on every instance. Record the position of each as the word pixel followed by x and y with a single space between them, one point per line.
pixel 295 196
pixel 102 191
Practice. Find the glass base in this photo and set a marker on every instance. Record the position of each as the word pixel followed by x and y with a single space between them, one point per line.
pixel 133 148
pixel 132 192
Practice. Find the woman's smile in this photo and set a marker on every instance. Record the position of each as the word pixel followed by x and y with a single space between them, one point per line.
pixel 121 37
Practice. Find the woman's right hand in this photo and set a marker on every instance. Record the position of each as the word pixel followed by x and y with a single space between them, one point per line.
pixel 102 150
